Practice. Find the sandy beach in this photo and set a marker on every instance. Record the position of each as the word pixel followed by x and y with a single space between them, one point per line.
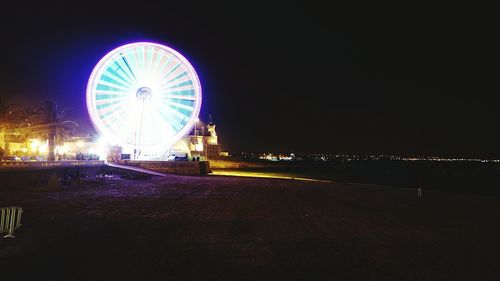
pixel 243 228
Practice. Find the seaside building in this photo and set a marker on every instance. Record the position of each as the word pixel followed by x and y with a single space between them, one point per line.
pixel 201 142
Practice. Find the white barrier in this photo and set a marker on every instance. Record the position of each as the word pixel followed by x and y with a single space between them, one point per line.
pixel 10 220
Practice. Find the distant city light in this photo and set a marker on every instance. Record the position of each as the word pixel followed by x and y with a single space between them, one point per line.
pixel 347 157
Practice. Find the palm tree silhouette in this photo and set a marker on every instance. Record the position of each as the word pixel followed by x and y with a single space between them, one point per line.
pixel 49 122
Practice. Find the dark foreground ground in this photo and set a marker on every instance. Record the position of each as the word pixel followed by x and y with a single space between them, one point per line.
pixel 230 228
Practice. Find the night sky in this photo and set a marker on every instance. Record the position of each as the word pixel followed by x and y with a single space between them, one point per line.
pixel 285 77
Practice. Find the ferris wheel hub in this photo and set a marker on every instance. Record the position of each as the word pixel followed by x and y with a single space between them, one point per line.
pixel 144 93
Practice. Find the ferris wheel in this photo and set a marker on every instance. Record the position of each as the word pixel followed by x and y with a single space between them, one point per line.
pixel 144 97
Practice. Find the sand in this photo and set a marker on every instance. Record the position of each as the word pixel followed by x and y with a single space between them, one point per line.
pixel 235 228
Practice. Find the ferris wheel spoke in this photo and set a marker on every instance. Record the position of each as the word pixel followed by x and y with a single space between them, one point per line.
pixel 114 80
pixel 152 59
pixel 156 132
pixel 124 59
pixel 184 104
pixel 138 58
pixel 104 114
pixel 182 82
pixel 110 120
pixel 186 89
pixel 122 67
pixel 160 108
pixel 118 70
pixel 109 107
pixel 183 87
pixel 115 87
pixel 160 59
pixel 189 92
pixel 180 113
pixel 118 124
pixel 145 59
pixel 174 75
pixel 164 124
pixel 129 65
pixel 168 96
pixel 189 104
pixel 109 87
pixel 114 122
pixel 101 98
pixel 164 65
pixel 179 84
pixel 104 95
pixel 124 134
pixel 176 90
pixel 166 127
pixel 108 110
pixel 101 104
pixel 184 111
pixel 118 77
pixel 176 115
pixel 173 122
pixel 177 103
pixel 172 70
pixel 146 56
pixel 183 74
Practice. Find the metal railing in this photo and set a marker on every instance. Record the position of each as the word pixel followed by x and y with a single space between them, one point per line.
pixel 10 220
pixel 38 164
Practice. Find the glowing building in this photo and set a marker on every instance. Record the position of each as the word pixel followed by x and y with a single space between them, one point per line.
pixel 201 142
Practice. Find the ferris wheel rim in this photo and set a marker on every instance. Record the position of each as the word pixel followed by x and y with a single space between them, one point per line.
pixel 94 79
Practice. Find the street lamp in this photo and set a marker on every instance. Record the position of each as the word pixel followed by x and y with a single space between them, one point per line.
pixel 195 124
pixel 196 142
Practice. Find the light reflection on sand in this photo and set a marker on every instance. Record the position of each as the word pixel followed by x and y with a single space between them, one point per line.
pixel 272 175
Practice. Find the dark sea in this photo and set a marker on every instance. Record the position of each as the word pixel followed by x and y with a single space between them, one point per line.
pixel 456 176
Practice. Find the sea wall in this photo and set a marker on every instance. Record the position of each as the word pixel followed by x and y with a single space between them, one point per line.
pixel 199 168
pixel 46 174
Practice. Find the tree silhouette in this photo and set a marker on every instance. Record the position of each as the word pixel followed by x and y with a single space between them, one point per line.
pixel 49 122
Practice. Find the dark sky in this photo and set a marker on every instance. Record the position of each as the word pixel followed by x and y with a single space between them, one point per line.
pixel 285 76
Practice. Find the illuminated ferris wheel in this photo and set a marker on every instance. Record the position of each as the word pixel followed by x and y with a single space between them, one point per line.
pixel 144 97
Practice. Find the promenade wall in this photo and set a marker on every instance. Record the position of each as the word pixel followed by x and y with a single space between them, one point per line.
pixel 198 168
pixel 19 174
